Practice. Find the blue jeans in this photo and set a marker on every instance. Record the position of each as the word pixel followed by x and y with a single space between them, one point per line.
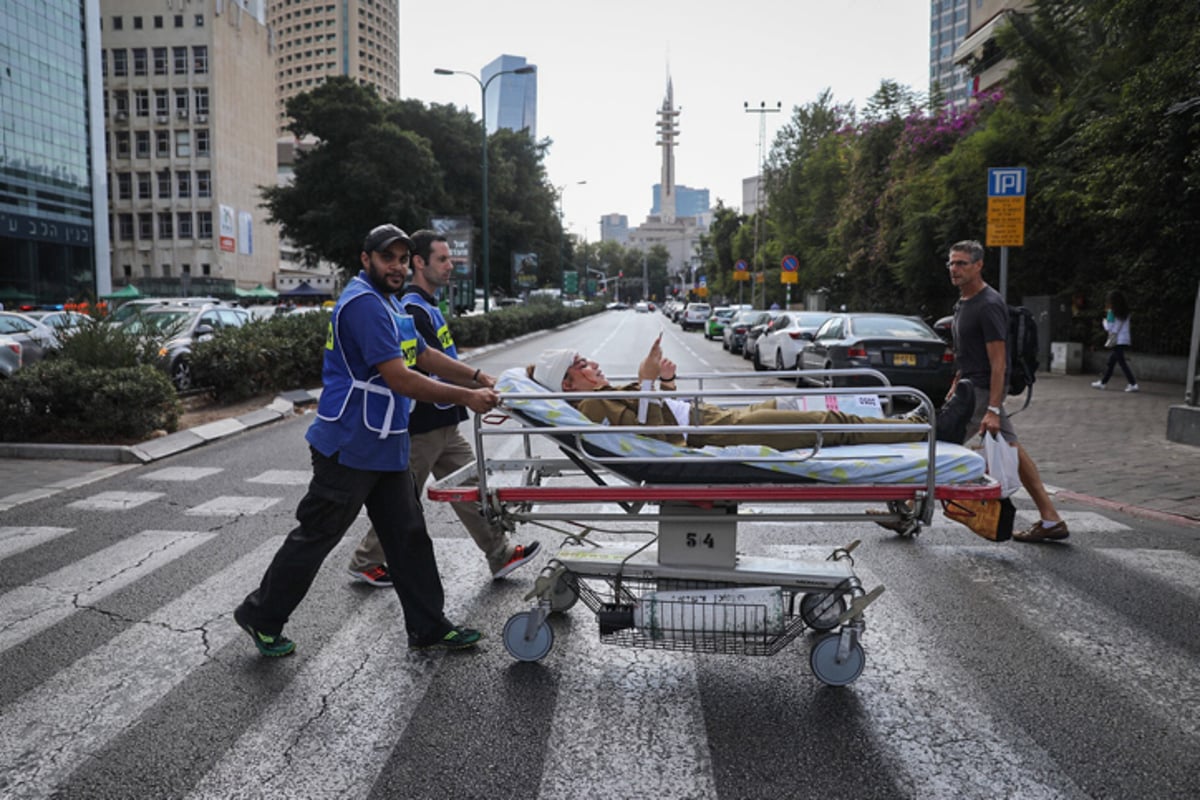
pixel 335 496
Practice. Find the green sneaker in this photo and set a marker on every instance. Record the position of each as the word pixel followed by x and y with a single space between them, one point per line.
pixel 457 638
pixel 270 646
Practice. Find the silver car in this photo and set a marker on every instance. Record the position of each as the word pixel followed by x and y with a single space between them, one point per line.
pixel 178 329
pixel 35 337
pixel 10 356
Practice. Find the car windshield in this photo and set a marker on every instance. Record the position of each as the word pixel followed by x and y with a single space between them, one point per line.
pixel 161 321
pixel 895 327
pixel 810 319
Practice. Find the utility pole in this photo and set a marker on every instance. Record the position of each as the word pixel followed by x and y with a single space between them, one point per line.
pixel 762 111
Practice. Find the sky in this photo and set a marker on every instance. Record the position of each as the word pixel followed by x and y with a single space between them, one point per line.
pixel 602 76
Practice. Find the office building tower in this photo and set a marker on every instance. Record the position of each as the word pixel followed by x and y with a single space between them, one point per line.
pixel 689 202
pixel 318 39
pixel 614 228
pixel 511 99
pixel 190 98
pixel 53 225
pixel 947 29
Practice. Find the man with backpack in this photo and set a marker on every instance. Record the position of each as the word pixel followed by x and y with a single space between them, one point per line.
pixel 981 332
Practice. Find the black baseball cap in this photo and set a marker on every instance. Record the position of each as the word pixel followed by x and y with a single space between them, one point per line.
pixel 383 237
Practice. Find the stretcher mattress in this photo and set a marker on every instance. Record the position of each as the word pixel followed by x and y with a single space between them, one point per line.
pixel 905 463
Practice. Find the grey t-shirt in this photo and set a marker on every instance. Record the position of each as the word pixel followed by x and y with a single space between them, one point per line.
pixel 982 319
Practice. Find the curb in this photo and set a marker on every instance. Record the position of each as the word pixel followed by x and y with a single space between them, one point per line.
pixel 1128 508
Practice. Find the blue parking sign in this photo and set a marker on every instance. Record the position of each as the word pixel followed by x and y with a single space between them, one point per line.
pixel 1006 182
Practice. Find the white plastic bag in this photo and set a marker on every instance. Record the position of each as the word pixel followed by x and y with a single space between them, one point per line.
pixel 1002 463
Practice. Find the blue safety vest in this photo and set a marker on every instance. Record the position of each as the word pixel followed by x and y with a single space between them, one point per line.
pixel 358 416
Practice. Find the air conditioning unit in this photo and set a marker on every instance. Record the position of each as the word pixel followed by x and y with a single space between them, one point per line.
pixel 121 116
pixel 181 113
pixel 162 119
pixel 202 118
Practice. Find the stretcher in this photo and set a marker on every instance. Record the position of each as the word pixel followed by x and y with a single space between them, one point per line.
pixel 680 582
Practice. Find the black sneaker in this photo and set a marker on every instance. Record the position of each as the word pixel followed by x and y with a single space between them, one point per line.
pixel 270 646
pixel 457 638
pixel 377 576
pixel 521 554
pixel 956 413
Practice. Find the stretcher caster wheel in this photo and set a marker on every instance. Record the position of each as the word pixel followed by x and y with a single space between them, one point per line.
pixel 565 594
pixel 523 649
pixel 822 618
pixel 825 665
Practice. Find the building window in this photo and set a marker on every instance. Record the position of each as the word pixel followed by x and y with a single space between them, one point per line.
pixel 141 102
pixel 162 144
pixel 137 23
pixel 121 102
pixel 179 20
pixel 204 230
pixel 124 186
pixel 120 63
pixel 122 140
pixel 200 100
pixel 139 61
pixel 166 268
pixel 118 24
pixel 141 144
pixel 183 183
pixel 203 183
pixel 166 227
pixel 200 59
pixel 146 271
pixel 158 21
pixel 164 184
pixel 103 63
pixel 143 186
pixel 127 269
pixel 162 102
pixel 206 269
pixel 145 226
pixel 199 20
pixel 160 61
pixel 184 225
pixel 181 103
pixel 183 143
pixel 202 141
pixel 179 57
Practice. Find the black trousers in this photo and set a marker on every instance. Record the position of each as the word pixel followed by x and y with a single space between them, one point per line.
pixel 335 496
pixel 1118 357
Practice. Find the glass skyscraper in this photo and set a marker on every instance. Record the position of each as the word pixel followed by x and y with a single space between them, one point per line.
pixel 51 134
pixel 511 99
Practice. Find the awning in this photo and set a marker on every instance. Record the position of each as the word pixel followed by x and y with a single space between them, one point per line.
pixel 304 289
pixel 128 292
pixel 980 37
pixel 259 292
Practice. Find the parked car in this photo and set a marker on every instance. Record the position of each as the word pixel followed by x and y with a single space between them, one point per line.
pixel 715 324
pixel 131 308
pixel 694 315
pixel 641 307
pixel 755 332
pixel 779 347
pixel 36 337
pixel 905 349
pixel 10 356
pixel 945 329
pixel 733 334
pixel 60 321
pixel 179 328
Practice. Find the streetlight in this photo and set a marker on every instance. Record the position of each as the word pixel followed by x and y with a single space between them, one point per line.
pixel 483 87
pixel 762 112
pixel 562 224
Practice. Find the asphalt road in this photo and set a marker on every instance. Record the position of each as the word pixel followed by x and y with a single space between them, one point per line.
pixel 992 670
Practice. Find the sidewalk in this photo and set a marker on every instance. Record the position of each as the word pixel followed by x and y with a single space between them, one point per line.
pixel 1102 448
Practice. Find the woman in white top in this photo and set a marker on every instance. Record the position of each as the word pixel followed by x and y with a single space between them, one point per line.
pixel 1117 323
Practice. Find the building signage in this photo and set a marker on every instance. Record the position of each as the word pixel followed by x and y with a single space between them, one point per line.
pixel 21 226
pixel 227 231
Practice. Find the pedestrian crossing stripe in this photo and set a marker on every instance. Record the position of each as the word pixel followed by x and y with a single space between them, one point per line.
pixel 233 505
pixel 283 477
pixel 180 473
pixel 19 538
pixel 115 501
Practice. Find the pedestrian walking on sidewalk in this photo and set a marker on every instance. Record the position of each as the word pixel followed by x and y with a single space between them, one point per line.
pixel 1116 324
pixel 981 353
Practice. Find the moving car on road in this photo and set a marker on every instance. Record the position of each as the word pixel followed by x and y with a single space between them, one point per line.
pixel 904 349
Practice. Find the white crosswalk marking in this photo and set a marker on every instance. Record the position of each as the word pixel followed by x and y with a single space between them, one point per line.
pixel 115 501
pixel 20 538
pixel 1175 568
pixel 283 477
pixel 181 473
pixel 314 735
pixel 28 610
pixel 42 739
pixel 230 505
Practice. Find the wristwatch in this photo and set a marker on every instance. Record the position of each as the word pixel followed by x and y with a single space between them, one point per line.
pixel 994 409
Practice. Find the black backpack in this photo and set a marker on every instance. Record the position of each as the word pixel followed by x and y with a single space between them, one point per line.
pixel 1022 352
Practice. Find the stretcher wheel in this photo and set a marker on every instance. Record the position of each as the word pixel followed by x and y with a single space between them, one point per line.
pixel 565 593
pixel 821 620
pixel 824 663
pixel 527 650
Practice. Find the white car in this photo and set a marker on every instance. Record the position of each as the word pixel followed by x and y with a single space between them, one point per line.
pixel 10 356
pixel 780 345
pixel 642 307
pixel 694 315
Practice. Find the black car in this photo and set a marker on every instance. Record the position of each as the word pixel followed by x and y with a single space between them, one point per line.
pixel 754 332
pixel 904 349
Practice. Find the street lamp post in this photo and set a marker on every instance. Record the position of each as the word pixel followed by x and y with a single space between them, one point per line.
pixel 762 112
pixel 483 87
pixel 562 223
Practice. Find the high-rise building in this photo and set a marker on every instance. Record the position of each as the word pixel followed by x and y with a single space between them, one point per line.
pixel 511 99
pixel 318 39
pixel 689 202
pixel 985 62
pixel 53 231
pixel 614 228
pixel 190 99
pixel 947 29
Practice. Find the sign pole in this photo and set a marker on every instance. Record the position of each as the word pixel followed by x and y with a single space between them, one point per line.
pixel 1004 272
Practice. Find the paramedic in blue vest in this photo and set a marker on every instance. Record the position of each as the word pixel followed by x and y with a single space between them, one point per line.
pixel 981 353
pixel 437 445
pixel 359 447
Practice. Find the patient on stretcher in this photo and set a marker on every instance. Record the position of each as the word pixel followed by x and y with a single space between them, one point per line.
pixel 567 371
